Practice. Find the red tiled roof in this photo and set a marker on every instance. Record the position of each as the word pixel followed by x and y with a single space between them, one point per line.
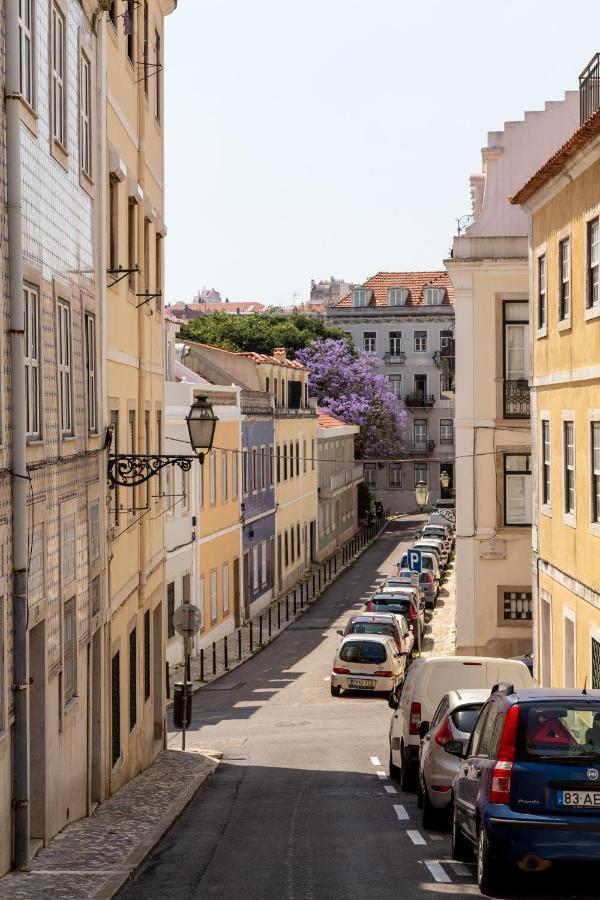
pixel 578 141
pixel 230 307
pixel 274 361
pixel 327 421
pixel 416 282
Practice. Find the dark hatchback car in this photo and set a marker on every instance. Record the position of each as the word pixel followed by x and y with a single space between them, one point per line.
pixel 527 789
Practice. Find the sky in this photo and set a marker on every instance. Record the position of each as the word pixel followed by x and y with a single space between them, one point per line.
pixel 310 138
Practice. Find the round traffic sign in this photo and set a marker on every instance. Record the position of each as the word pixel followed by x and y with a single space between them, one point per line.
pixel 187 620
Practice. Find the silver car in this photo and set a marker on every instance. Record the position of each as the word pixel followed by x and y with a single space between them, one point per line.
pixel 453 720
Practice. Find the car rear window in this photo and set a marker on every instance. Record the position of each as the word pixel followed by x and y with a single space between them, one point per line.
pixel 396 605
pixel 373 628
pixel 464 718
pixel 560 730
pixel 363 652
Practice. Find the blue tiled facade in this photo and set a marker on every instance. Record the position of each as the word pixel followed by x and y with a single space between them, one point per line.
pixel 259 505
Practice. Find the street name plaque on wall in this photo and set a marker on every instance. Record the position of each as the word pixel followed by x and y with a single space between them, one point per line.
pixel 492 550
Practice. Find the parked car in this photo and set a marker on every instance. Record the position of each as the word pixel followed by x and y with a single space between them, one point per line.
pixel 527 658
pixel 453 720
pixel 381 623
pixel 441 518
pixel 402 603
pixel 438 531
pixel 427 681
pixel 394 584
pixel 432 545
pixel 429 563
pixel 527 789
pixel 367 663
pixel 426 581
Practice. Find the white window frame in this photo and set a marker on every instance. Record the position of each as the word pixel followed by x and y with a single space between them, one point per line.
pixel 395 482
pixel 360 297
pixel 448 429
pixel 225 576
pixel 595 475
pixel 68 550
pixel 420 342
pixel 69 650
pixel 395 384
pixel 255 568
pixel 212 478
pixel 370 468
pixel 224 477
pixel 26 52
pixel 545 464
pixel 58 76
pixel 201 599
pixel 592 299
pixel 90 373
pixel 542 295
pixel 33 381
pixel 434 296
pixel 235 484
pixel 564 280
pixel 397 296
pixel 36 572
pixel 85 115
pixel 569 616
pixel 545 666
pixel 213 595
pixel 511 475
pixel 263 574
pixel 370 341
pixel 94 530
pixel 569 513
pixel 65 371
pixel 422 468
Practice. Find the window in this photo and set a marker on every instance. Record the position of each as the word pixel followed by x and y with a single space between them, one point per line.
pixel 244 472
pixel 158 77
pixel 57 72
pixel 129 26
pixel 516 359
pixel 370 474
pixel 132 678
pixel 95 595
pixel 446 431
pixel 283 392
pixel 564 279
pixel 369 341
pixel 546 640
pixel 170 609
pixel 569 649
pixel 26 67
pixel 420 434
pixel 312 454
pixel 546 470
pixel 90 372
pixel 225 588
pixel 420 473
pixel 595 429
pixel 115 690
pixel 64 368
pixel 263 468
pixel 159 443
pixel 131 243
pixel 255 568
pixel 569 464
pixel 263 564
pixel 593 262
pixel 158 269
pixel 35 579
pixel 285 463
pixel 397 296
pixel 541 298
pixel 395 382
pixel 445 339
pixel 147 257
pixel 434 296
pixel 420 341
pixel 278 449
pixel 212 477
pixel 85 116
pixel 94 541
pixel 145 59
pixel 595 660
pixel 132 449
pixel 224 479
pixel 185 492
pixel 517 489
pixel 201 600
pixel 146 654
pixel 147 450
pixel 395 476
pixel 291 459
pixel 234 475
pixel 286 548
pixel 292 548
pixel 359 298
pixel 304 457
pixel 298 547
pixel 32 361
pixel 113 223
pixel 67 550
pixel 213 595
pixel 297 457
pixel 114 426
pixel 395 343
pixel 254 470
pixel 517 606
pixel 275 389
pixel 69 651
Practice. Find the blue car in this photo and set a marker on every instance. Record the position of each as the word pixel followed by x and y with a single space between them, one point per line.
pixel 527 790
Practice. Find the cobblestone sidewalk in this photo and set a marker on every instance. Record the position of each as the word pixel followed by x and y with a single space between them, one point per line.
pixel 94 857
pixel 440 639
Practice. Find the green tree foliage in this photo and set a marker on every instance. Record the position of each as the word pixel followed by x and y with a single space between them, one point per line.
pixel 259 333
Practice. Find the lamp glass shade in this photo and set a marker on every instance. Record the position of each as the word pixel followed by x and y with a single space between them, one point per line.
pixel 421 493
pixel 201 423
pixel 444 479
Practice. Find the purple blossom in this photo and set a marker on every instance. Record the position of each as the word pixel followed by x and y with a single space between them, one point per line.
pixel 347 385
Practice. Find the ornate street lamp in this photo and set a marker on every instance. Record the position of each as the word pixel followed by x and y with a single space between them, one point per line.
pixel 131 470
pixel 445 480
pixel 421 494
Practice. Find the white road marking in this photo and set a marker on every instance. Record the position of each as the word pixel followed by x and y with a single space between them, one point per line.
pixel 436 837
pixel 401 812
pixel 381 774
pixel 438 871
pixel 328 678
pixel 459 868
pixel 375 761
pixel 416 837
pixel 390 789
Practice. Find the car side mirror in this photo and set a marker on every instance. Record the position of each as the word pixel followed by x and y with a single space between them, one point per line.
pixel 339 631
pixel 423 728
pixel 455 748
pixel 393 701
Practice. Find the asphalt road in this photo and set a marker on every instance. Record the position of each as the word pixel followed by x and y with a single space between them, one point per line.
pixel 302 808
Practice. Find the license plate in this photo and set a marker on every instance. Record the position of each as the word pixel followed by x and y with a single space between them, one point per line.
pixel 581 799
pixel 361 683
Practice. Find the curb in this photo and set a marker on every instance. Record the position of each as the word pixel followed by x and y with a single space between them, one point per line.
pixel 130 865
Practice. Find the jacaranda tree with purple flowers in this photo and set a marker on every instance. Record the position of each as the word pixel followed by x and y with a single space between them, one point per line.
pixel 347 385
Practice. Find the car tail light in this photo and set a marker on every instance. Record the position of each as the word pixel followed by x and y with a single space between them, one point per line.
pixel 502 771
pixel 341 671
pixel 370 606
pixel 415 718
pixel 383 673
pixel 411 612
pixel 443 734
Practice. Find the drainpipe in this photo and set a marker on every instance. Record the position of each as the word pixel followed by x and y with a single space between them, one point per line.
pixel 20 729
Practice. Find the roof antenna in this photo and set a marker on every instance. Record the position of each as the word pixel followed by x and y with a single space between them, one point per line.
pixel 584 691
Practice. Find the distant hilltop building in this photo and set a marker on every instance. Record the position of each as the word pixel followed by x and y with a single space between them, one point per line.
pixel 209 300
pixel 328 293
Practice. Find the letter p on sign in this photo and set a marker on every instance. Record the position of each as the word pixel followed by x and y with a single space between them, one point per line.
pixel 414 560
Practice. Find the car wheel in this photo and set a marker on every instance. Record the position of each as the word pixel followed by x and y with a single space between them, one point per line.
pixel 431 815
pixel 393 769
pixel 461 848
pixel 335 690
pixel 490 877
pixel 407 774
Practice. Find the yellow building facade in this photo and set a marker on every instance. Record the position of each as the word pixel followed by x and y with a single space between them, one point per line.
pixel 563 200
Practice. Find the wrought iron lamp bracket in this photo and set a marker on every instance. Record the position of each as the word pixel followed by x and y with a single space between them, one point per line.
pixel 120 272
pixel 130 470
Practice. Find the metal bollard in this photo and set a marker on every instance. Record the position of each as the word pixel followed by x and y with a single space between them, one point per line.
pixel 251 637
pixel 214 655
pixel 269 621
pixel 287 607
pixel 319 571
pixel 278 615
pixel 335 564
pixel 314 582
pixel 302 595
pixel 225 660
pixel 240 643
pixel 202 664
pixel 294 601
pixel 260 636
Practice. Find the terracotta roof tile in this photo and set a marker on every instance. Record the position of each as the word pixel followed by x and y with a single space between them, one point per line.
pixel 274 361
pixel 416 282
pixel 327 421
pixel 578 141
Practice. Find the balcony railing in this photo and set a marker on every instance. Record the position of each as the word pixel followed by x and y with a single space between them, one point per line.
pixel 419 447
pixel 589 89
pixel 349 474
pixel 516 399
pixel 394 359
pixel 419 400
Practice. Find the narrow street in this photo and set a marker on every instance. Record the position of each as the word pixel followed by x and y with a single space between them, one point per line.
pixel 301 807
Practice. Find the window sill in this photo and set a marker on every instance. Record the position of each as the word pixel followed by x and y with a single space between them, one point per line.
pixel 29 117
pixel 86 183
pixel 594 529
pixel 591 312
pixel 546 510
pixel 564 325
pixel 59 153
pixel 70 706
pixel 542 332
pixel 570 519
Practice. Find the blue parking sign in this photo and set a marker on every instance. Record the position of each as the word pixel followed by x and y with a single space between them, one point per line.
pixel 414 560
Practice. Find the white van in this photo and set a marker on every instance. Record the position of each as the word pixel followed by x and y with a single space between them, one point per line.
pixel 428 679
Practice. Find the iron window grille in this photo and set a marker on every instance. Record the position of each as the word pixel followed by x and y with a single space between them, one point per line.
pixel 146 654
pixel 115 709
pixel 517 606
pixel 132 678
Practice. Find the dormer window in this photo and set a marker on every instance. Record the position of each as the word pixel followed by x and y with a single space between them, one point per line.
pixel 434 296
pixel 360 297
pixel 397 296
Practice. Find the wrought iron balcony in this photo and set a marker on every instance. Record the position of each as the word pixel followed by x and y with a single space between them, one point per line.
pixel 394 359
pixel 412 447
pixel 589 89
pixel 516 399
pixel 419 400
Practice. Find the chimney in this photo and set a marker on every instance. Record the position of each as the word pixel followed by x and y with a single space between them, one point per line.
pixel 279 353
